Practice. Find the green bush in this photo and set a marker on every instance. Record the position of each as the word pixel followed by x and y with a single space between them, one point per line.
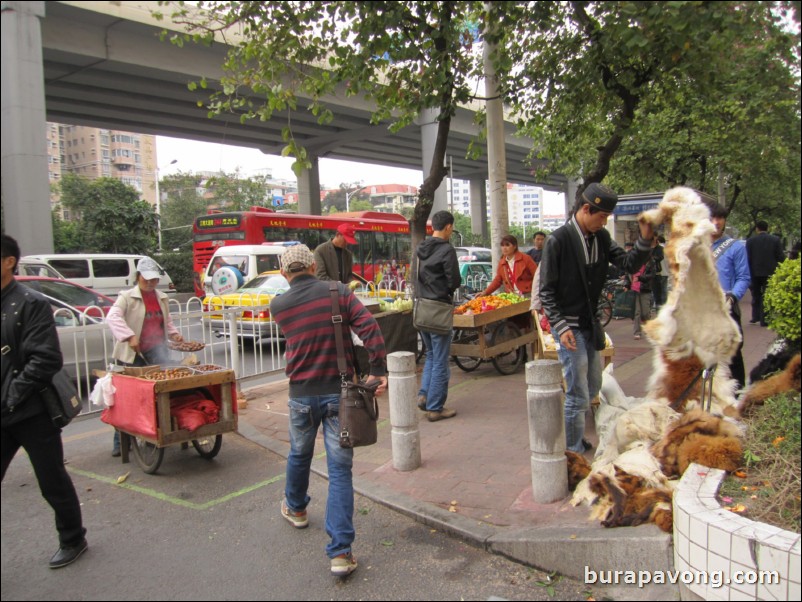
pixel 179 267
pixel 783 300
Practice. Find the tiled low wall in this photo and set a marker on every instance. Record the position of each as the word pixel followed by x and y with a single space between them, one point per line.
pixel 711 541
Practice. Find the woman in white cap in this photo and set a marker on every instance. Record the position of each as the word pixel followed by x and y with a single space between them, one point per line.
pixel 140 321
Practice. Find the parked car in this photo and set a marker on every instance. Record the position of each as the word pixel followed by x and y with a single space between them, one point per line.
pixel 254 293
pixel 107 274
pixel 233 265
pixel 473 254
pixel 86 343
pixel 74 295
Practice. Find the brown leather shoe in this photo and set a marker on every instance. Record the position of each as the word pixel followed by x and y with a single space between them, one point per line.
pixel 421 403
pixel 441 415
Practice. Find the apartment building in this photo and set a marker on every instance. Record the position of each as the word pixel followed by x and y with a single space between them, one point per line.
pixel 524 202
pixel 94 153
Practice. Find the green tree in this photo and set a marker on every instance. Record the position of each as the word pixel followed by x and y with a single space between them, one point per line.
pixel 589 74
pixel 111 216
pixel 233 192
pixel 405 57
pixel 182 201
pixel 66 235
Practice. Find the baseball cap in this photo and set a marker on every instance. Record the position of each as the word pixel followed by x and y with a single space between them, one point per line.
pixel 297 259
pixel 599 196
pixel 149 268
pixel 347 230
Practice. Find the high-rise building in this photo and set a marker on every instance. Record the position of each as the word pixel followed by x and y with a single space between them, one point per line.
pixel 95 153
pixel 524 202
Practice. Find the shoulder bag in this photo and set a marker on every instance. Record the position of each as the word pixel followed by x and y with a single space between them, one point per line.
pixel 359 410
pixel 61 400
pixel 430 315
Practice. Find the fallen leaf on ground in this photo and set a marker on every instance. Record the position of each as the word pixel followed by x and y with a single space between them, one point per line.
pixel 741 474
pixel 122 478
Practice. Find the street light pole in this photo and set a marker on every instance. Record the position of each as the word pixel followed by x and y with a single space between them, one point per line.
pixel 159 207
pixel 348 196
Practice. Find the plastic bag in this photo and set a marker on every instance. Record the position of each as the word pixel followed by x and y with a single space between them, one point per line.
pixel 102 394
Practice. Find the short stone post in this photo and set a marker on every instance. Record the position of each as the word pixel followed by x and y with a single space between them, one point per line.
pixel 544 403
pixel 402 386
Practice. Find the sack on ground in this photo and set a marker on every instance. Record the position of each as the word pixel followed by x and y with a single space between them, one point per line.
pixel 359 414
pixel 433 316
pixel 61 400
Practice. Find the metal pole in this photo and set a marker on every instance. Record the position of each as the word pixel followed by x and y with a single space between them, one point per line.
pixel 158 213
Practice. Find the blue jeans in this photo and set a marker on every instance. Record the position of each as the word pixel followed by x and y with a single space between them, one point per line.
pixel 436 371
pixel 583 376
pixel 306 414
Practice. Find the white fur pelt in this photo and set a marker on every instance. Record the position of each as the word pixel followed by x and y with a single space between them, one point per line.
pixel 644 424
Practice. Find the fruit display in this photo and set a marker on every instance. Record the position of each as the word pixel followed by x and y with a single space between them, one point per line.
pixel 185 346
pixel 488 303
pixel 397 305
pixel 169 373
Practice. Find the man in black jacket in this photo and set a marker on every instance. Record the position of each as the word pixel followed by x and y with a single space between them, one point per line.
pixel 31 357
pixel 764 252
pixel 580 250
pixel 438 278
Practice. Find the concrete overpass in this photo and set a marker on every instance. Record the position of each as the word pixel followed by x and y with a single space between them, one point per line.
pixel 102 64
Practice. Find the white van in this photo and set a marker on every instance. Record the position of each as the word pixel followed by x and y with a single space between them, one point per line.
pixel 234 265
pixel 107 274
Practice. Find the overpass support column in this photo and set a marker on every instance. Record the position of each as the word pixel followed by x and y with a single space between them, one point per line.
pixel 309 190
pixel 479 209
pixel 26 185
pixel 428 135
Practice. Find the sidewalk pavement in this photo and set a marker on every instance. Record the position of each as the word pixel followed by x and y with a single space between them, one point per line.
pixel 475 478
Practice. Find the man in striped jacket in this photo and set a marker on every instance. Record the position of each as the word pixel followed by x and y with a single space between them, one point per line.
pixel 304 315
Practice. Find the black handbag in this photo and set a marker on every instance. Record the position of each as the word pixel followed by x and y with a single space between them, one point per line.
pixel 359 410
pixel 430 315
pixel 61 400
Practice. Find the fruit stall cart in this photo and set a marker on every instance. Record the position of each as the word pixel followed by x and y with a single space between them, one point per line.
pixel 495 335
pixel 154 408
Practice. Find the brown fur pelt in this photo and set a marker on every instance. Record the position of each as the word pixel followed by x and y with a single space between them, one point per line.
pixel 787 380
pixel 630 503
pixel 682 372
pixel 699 437
pixel 578 468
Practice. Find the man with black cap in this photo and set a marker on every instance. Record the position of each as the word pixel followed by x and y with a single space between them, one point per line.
pixel 333 258
pixel 304 314
pixel 573 272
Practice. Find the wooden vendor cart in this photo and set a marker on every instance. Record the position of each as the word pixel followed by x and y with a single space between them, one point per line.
pixel 144 413
pixel 493 335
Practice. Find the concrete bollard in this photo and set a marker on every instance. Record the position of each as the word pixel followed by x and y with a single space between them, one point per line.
pixel 544 403
pixel 403 389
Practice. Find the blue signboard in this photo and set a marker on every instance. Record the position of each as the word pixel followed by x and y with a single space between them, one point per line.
pixel 634 207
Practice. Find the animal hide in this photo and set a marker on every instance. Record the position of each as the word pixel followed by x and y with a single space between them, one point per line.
pixel 578 468
pixel 646 422
pixel 787 380
pixel 695 299
pixel 699 437
pixel 629 502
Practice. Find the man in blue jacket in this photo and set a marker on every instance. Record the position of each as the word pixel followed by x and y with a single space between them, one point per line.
pixel 733 276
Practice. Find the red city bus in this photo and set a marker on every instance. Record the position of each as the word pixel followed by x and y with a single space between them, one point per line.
pixel 383 249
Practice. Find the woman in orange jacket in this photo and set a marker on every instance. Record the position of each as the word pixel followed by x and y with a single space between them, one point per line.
pixel 516 270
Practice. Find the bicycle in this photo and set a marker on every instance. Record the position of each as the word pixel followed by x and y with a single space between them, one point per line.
pixel 606 305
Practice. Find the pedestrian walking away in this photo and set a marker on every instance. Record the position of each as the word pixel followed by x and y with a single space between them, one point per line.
pixel 580 250
pixel 140 322
pixel 733 276
pixel 437 279
pixel 31 357
pixel 763 252
pixel 304 315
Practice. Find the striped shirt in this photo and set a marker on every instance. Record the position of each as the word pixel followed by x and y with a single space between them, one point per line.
pixel 304 315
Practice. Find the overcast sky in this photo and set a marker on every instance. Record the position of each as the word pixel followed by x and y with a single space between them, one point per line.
pixel 192 156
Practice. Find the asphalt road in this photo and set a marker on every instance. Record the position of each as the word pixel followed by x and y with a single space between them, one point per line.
pixel 202 530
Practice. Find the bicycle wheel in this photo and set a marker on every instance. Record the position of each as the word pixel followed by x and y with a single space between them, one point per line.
pixel 421 352
pixel 605 311
pixel 148 455
pixel 208 447
pixel 466 337
pixel 509 362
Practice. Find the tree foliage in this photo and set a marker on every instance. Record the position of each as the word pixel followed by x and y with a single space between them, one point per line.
pixel 111 218
pixel 673 91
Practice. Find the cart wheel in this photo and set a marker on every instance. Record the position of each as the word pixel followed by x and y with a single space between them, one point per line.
pixel 148 455
pixel 209 446
pixel 507 363
pixel 605 311
pixel 421 349
pixel 466 337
